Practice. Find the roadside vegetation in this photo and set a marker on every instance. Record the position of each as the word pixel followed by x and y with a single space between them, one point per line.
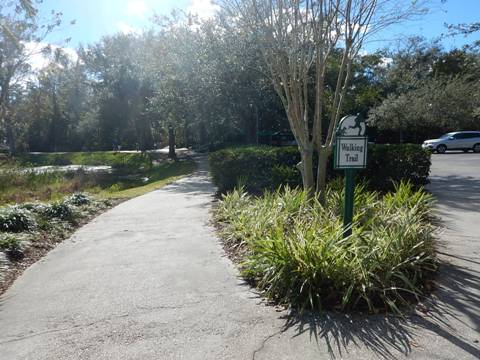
pixel 40 208
pixel 292 247
pixel 260 168
pixel 130 176
pixel 114 159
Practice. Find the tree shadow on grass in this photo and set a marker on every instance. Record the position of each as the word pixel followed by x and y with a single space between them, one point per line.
pixel 454 304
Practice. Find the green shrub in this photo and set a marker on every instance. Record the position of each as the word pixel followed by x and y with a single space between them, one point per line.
pixel 294 251
pixel 261 167
pixel 9 242
pixel 264 167
pixel 390 164
pixel 78 199
pixel 16 219
pixel 34 207
pixel 59 210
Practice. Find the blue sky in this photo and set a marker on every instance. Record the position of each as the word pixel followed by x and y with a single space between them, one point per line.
pixel 95 18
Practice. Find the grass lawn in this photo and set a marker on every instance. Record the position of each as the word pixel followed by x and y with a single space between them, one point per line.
pixel 123 182
pixel 157 178
pixel 114 159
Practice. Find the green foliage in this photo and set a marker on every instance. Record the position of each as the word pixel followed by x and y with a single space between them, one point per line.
pixel 264 167
pixel 118 160
pixel 18 186
pixel 61 210
pixel 294 251
pixel 435 105
pixel 78 199
pixel 254 164
pixel 390 164
pixel 9 242
pixel 16 219
pixel 20 181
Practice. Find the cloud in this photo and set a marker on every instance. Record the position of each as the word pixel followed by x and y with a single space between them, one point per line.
pixel 38 59
pixel 204 9
pixel 125 28
pixel 137 8
pixel 386 62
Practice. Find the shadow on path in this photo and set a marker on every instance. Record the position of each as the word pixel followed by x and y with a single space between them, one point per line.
pixel 457 192
pixel 390 336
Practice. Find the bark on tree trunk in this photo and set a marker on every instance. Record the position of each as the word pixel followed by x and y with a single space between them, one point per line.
pixel 323 155
pixel 171 143
pixel 306 169
pixel 11 139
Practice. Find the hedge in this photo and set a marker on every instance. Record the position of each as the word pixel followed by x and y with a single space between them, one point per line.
pixel 260 168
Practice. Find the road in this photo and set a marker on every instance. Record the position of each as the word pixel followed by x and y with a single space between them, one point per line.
pixel 149 280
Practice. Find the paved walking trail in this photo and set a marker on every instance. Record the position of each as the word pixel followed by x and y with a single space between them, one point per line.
pixel 149 280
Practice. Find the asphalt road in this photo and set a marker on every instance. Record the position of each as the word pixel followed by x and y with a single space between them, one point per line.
pixel 149 280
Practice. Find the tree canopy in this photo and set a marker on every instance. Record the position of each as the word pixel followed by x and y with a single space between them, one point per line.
pixel 210 82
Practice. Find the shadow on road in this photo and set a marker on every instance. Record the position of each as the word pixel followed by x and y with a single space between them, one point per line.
pixel 457 192
pixel 197 183
pixel 390 336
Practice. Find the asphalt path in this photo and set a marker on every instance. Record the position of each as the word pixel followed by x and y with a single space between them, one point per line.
pixel 149 280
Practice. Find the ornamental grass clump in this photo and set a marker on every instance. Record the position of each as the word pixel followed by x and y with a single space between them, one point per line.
pixel 79 199
pixel 293 249
pixel 16 219
pixel 61 210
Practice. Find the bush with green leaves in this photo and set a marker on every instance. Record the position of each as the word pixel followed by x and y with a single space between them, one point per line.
pixel 79 199
pixel 293 248
pixel 16 219
pixel 267 168
pixel 9 242
pixel 61 210
pixel 34 207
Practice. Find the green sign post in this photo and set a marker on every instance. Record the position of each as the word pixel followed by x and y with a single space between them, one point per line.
pixel 350 154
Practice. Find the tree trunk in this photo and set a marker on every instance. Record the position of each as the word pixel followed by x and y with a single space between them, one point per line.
pixel 306 169
pixel 10 138
pixel 171 143
pixel 323 155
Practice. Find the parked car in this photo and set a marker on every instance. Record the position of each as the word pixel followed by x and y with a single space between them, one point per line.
pixel 459 140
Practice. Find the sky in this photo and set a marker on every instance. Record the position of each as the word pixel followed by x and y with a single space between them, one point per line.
pixel 96 18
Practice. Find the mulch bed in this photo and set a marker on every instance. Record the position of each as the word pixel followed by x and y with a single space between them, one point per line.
pixel 40 247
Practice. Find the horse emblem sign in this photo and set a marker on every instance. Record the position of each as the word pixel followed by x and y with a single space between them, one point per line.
pixel 351 126
pixel 351 144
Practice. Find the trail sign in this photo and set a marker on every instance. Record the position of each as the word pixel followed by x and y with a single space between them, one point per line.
pixel 350 153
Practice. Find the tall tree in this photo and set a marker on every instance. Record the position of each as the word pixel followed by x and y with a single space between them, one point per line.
pixel 298 37
pixel 21 32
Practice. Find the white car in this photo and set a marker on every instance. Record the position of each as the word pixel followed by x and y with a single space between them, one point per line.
pixel 459 140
